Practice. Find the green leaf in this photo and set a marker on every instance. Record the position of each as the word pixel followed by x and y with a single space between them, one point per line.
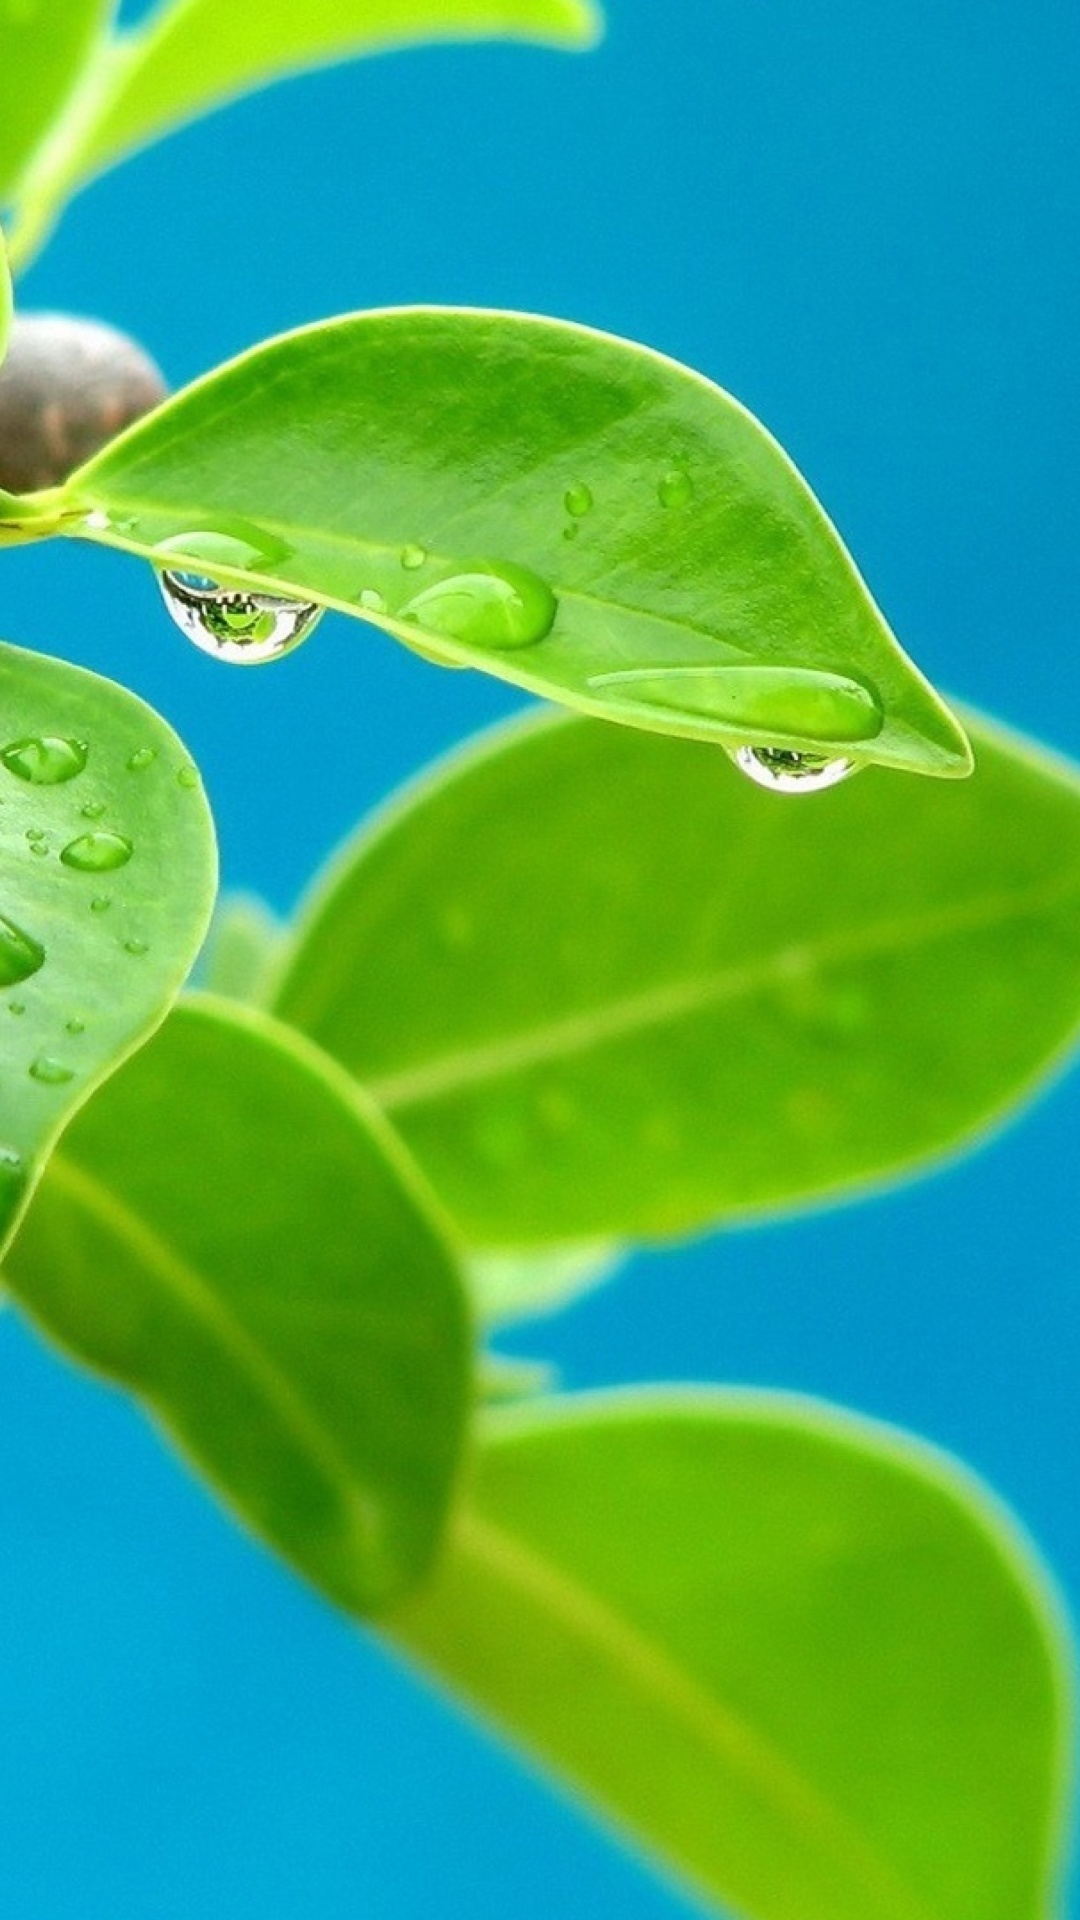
pixel 44 47
pixel 244 940
pixel 509 1286
pixel 810 1664
pixel 607 988
pixel 432 462
pixel 6 299
pixel 231 1232
pixel 109 870
pixel 194 55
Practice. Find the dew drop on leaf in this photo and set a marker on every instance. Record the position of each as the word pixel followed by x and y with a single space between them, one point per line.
pixel 578 500
pixel 100 903
pixel 676 489
pixel 45 760
pixel 371 600
pixel 187 777
pixel 136 946
pixel 783 770
pixel 97 852
pixel 51 1072
pixel 142 758
pixel 413 557
pixel 75 1025
pixel 245 629
pixel 492 604
pixel 93 810
pixel 20 955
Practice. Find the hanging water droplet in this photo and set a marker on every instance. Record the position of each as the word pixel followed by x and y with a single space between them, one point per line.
pixel 187 777
pixel 100 903
pixel 371 600
pixel 490 604
pixel 785 771
pixel 142 758
pixel 246 629
pixel 578 500
pixel 20 954
pixel 50 1072
pixel 93 810
pixel 675 489
pixel 413 557
pixel 97 852
pixel 135 946
pixel 45 760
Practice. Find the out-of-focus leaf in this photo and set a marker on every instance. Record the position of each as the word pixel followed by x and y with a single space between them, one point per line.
pixel 423 468
pixel 229 1230
pixel 44 47
pixel 109 868
pixel 241 947
pixel 517 1286
pixel 806 1662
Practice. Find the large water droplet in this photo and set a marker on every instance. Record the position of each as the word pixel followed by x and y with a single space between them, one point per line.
pixel 491 603
pixel 45 760
pixel 20 954
pixel 804 702
pixel 675 489
pixel 97 852
pixel 578 500
pixel 50 1072
pixel 783 771
pixel 245 629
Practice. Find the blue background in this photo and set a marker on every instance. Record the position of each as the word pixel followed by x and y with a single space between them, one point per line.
pixel 863 221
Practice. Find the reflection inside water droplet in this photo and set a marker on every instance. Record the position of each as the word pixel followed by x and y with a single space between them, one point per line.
pixel 97 852
pixel 245 629
pixel 20 954
pixel 784 771
pixel 490 603
pixel 45 760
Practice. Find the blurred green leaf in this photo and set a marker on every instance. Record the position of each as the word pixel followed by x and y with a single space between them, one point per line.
pixel 194 55
pixel 6 301
pixel 244 940
pixel 229 1231
pixel 44 47
pixel 423 468
pixel 808 1663
pixel 508 1286
pixel 109 870
pixel 607 988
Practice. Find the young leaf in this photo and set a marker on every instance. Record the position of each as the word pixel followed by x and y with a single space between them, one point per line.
pixel 228 1230
pixel 192 55
pixel 805 1661
pixel 109 870
pixel 608 988
pixel 43 50
pixel 423 468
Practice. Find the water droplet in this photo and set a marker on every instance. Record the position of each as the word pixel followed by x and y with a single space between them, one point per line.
pixel 801 701
pixel 93 810
pixel 97 522
pixel 16 1006
pixel 35 833
pixel 10 1160
pixel 97 852
pixel 20 954
pixel 578 500
pixel 135 946
pixel 413 557
pixel 240 545
pixel 676 489
pixel 100 903
pixel 142 758
pixel 785 771
pixel 39 847
pixel 491 604
pixel 45 760
pixel 571 530
pixel 187 777
pixel 50 1072
pixel 371 600
pixel 245 629
pixel 75 1025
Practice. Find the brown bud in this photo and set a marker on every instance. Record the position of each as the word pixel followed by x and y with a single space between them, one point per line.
pixel 66 387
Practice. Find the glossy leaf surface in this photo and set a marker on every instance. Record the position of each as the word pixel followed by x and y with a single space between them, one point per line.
pixel 230 1232
pixel 44 45
pixel 807 1663
pixel 606 987
pixel 193 55
pixel 423 468
pixel 109 868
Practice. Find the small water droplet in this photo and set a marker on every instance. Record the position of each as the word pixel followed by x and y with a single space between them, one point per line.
pixel 245 629
pixel 371 600
pixel 490 604
pixel 97 522
pixel 142 758
pixel 784 771
pixel 93 810
pixel 571 530
pixel 16 1006
pixel 97 852
pixel 187 777
pixel 578 500
pixel 35 833
pixel 50 1072
pixel 75 1025
pixel 39 847
pixel 100 903
pixel 10 1160
pixel 675 489
pixel 136 946
pixel 45 760
pixel 413 557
